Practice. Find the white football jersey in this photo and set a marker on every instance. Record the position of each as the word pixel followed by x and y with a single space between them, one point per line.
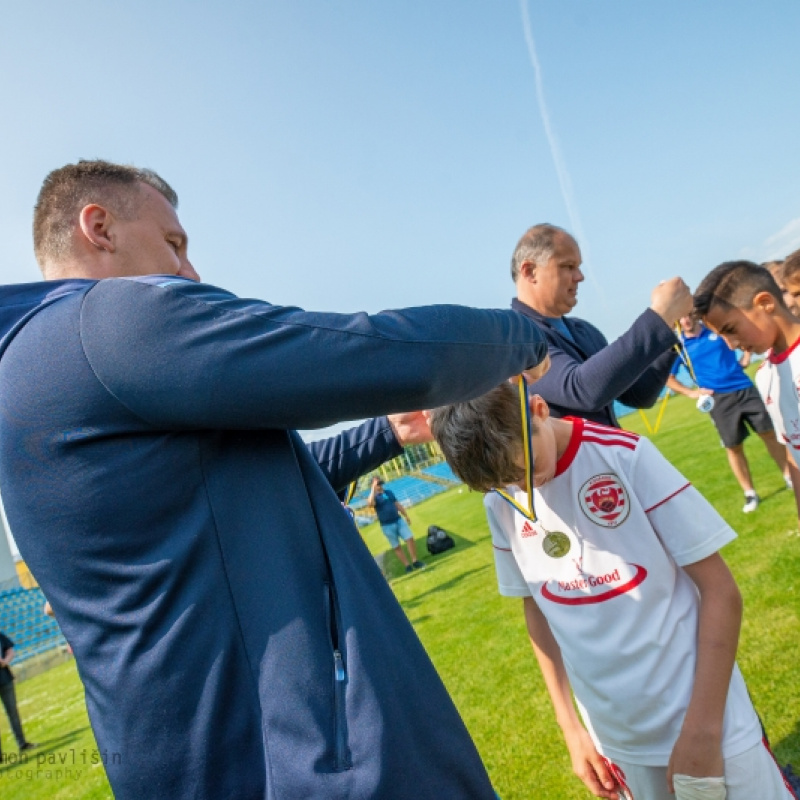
pixel 778 380
pixel 603 563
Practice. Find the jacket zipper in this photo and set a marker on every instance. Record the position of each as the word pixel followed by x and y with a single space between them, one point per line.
pixel 341 759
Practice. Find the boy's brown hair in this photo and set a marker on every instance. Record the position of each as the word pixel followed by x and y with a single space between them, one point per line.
pixel 734 284
pixel 482 438
pixel 776 270
pixel 791 267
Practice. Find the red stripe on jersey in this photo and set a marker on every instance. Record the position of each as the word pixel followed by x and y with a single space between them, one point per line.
pixel 595 427
pixel 609 442
pixel 778 767
pixel 641 574
pixel 777 358
pixel 572 447
pixel 504 549
pixel 661 502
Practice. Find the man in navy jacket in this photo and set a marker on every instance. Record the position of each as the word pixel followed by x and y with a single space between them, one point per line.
pixel 233 635
pixel 587 374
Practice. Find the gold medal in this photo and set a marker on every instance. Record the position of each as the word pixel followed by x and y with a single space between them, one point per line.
pixel 556 544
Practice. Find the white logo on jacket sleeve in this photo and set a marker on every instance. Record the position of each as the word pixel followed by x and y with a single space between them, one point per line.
pixel 604 500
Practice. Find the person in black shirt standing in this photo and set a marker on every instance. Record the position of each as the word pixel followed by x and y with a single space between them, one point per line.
pixel 8 695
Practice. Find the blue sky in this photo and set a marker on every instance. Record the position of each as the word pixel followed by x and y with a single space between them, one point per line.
pixel 359 155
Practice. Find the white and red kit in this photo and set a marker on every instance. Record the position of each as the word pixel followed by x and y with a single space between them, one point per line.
pixel 778 382
pixel 603 563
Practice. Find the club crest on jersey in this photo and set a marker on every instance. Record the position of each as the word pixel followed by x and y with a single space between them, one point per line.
pixel 604 500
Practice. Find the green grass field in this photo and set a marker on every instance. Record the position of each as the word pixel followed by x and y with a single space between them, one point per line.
pixel 477 639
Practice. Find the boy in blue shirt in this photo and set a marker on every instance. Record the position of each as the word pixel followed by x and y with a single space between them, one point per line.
pixel 737 403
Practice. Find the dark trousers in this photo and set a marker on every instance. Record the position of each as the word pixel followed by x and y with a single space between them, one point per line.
pixel 9 698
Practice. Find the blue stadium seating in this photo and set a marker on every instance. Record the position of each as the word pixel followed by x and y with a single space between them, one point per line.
pixel 25 623
pixel 441 471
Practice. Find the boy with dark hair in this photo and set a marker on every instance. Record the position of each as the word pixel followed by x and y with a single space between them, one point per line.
pixel 627 601
pixel 742 302
pixel 776 270
pixel 790 275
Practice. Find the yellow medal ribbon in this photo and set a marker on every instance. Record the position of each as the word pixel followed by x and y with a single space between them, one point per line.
pixel 653 429
pixel 527 449
pixel 348 496
pixel 683 354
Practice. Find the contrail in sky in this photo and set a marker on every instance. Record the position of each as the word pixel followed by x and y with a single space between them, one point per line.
pixel 564 181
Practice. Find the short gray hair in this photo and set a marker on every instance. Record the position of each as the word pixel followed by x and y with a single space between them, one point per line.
pixel 536 246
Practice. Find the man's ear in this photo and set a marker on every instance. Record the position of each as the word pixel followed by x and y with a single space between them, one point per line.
pixel 765 301
pixel 95 222
pixel 527 270
pixel 538 407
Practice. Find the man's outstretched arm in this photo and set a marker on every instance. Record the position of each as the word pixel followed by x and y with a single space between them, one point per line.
pixel 189 355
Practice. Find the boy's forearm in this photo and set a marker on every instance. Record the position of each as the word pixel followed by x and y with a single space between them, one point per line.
pixel 794 472
pixel 676 386
pixel 548 655
pixel 587 763
pixel 719 622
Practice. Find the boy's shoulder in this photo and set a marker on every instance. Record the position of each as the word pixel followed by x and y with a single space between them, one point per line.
pixel 593 449
pixel 593 440
pixel 604 435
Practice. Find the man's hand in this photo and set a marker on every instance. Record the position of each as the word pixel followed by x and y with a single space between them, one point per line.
pixel 411 427
pixel 671 300
pixel 534 373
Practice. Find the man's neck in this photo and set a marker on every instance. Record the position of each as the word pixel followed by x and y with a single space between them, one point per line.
pixel 537 307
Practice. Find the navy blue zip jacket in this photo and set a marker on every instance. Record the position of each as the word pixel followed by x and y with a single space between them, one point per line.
pixel 586 376
pixel 235 638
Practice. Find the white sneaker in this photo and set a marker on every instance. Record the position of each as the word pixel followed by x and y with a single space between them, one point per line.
pixel 751 503
pixel 789 484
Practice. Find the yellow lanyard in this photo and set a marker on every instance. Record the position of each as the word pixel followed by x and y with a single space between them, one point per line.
pixel 527 449
pixel 348 496
pixel 683 354
pixel 653 429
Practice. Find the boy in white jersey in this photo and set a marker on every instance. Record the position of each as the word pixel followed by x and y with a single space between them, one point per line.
pixel 742 302
pixel 627 601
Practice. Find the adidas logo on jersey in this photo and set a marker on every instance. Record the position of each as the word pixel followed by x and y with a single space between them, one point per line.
pixel 528 530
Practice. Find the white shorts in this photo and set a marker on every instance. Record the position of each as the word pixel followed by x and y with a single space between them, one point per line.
pixel 753 774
